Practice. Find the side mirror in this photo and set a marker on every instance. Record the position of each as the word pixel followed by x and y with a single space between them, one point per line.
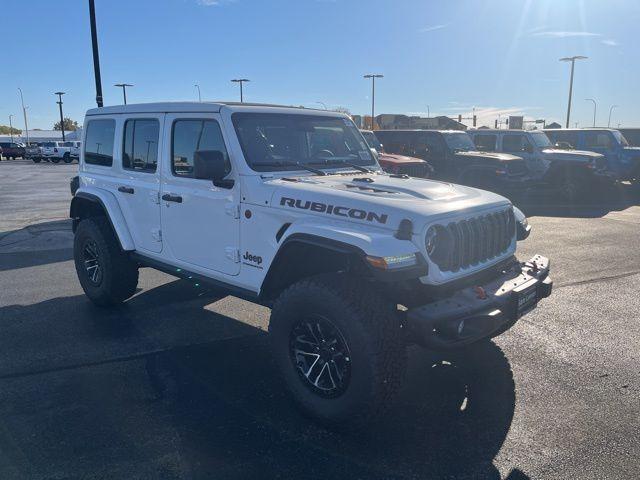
pixel 528 149
pixel 211 165
pixel 374 152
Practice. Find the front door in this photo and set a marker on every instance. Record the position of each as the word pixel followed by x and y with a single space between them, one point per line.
pixel 200 222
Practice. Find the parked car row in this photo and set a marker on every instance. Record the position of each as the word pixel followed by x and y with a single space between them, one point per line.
pixel 508 161
pixel 12 150
pixel 54 152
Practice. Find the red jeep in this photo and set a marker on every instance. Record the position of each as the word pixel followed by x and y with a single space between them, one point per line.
pixel 398 164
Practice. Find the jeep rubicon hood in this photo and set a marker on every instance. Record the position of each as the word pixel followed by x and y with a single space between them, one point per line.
pixel 498 157
pixel 398 159
pixel 571 155
pixel 380 200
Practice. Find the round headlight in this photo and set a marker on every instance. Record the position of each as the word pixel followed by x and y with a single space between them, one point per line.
pixel 431 240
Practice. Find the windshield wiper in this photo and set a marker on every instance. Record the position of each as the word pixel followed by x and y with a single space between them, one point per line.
pixel 293 164
pixel 344 162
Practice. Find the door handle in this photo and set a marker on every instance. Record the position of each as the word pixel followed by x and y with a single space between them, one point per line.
pixel 167 197
pixel 126 190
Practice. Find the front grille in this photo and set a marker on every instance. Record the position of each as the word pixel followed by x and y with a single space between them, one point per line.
pixel 477 240
pixel 416 170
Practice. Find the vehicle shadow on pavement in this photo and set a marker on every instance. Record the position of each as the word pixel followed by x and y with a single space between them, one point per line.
pixel 200 397
pixel 604 200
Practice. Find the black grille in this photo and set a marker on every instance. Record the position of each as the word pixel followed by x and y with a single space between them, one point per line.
pixel 415 170
pixel 477 240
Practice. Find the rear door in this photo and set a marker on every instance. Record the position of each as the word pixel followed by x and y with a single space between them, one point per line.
pixel 200 222
pixel 138 188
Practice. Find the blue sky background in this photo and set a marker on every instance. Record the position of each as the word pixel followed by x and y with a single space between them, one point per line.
pixel 500 57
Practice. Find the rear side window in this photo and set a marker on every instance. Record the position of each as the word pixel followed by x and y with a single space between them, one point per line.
pixel 140 145
pixel 190 136
pixel 512 143
pixel 486 143
pixel 570 138
pixel 99 140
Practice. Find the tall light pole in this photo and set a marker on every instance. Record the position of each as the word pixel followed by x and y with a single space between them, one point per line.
pixel 24 113
pixel 59 102
pixel 594 109
pixel 373 77
pixel 573 63
pixel 241 81
pixel 324 105
pixel 428 112
pixel 610 110
pixel 11 128
pixel 124 89
pixel 199 96
pixel 96 56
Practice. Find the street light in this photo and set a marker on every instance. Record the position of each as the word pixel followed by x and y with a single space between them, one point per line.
pixel 611 110
pixel 428 112
pixel 11 128
pixel 573 63
pixel 241 81
pixel 124 89
pixel 324 105
pixel 373 77
pixel 198 87
pixel 59 102
pixel 594 109
pixel 24 113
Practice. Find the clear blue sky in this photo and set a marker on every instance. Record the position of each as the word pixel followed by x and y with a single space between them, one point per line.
pixel 499 56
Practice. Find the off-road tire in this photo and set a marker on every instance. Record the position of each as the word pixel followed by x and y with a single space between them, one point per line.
pixel 370 327
pixel 572 187
pixel 55 159
pixel 119 277
pixel 67 158
pixel 36 160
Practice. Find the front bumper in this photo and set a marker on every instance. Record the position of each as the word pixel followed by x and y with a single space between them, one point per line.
pixel 483 311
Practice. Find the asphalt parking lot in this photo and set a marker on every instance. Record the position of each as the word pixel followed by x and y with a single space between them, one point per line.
pixel 178 383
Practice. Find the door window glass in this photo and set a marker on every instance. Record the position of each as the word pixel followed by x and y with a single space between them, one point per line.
pixel 99 142
pixel 140 146
pixel 512 143
pixel 597 140
pixel 486 143
pixel 190 136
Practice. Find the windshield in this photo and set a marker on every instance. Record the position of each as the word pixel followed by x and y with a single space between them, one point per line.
pixel 276 141
pixel 541 140
pixel 620 138
pixel 372 140
pixel 459 141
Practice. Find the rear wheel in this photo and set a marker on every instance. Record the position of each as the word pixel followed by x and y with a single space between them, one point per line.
pixel 67 158
pixel 55 159
pixel 106 273
pixel 36 160
pixel 339 348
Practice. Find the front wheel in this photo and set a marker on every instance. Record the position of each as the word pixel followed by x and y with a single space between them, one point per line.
pixel 67 158
pixel 55 160
pixel 572 187
pixel 106 273
pixel 339 348
pixel 36 160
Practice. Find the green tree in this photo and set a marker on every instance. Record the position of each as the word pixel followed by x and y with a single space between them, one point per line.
pixel 5 130
pixel 69 125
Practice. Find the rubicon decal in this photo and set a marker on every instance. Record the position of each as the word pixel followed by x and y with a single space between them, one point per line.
pixel 337 210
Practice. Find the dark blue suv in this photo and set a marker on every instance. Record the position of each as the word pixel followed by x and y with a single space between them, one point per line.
pixel 623 161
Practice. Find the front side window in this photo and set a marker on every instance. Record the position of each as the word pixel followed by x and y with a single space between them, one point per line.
pixel 190 136
pixel 140 146
pixel 372 140
pixel 485 143
pixel 620 138
pixel 597 140
pixel 99 140
pixel 512 143
pixel 272 142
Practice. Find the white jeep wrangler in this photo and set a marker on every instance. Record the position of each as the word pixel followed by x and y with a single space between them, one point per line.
pixel 287 207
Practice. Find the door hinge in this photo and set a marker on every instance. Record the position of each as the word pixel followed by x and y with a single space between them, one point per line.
pixel 232 209
pixel 233 254
pixel 156 234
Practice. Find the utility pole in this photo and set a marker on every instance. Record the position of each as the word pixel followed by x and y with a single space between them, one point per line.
pixel 59 102
pixel 573 63
pixel 11 128
pixel 373 77
pixel 241 81
pixel 594 109
pixel 96 56
pixel 199 96
pixel 124 89
pixel 610 110
pixel 24 113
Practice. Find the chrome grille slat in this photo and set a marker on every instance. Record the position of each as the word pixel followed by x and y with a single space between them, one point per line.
pixel 478 239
